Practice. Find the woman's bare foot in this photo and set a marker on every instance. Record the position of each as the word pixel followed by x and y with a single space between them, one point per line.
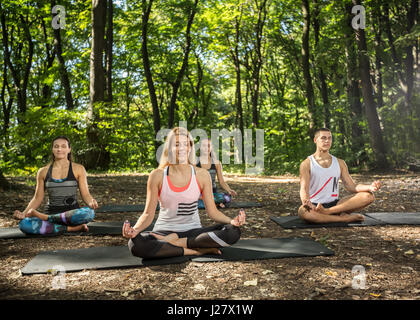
pixel 354 217
pixel 19 215
pixel 221 205
pixel 170 238
pixel 201 251
pixel 82 228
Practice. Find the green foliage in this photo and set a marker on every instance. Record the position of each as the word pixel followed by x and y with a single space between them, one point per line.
pixel 206 98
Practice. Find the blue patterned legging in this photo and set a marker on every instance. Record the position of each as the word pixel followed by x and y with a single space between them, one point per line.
pixel 219 197
pixel 57 223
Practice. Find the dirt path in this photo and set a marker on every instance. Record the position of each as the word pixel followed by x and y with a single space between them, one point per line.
pixel 389 254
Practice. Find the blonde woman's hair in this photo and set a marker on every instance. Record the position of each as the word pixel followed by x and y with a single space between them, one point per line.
pixel 167 157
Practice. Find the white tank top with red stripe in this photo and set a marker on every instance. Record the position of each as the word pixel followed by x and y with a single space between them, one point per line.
pixel 178 206
pixel 324 182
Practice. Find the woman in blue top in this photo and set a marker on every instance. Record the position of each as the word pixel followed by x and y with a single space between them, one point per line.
pixel 60 178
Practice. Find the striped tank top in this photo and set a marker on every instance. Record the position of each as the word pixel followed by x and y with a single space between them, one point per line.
pixel 178 206
pixel 324 182
pixel 62 193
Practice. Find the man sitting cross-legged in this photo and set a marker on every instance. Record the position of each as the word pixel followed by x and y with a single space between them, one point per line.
pixel 319 186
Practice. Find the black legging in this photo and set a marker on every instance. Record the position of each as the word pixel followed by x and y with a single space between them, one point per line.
pixel 145 245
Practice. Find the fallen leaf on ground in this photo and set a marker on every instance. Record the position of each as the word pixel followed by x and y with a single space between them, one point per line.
pixel 199 287
pixel 265 272
pixel 253 282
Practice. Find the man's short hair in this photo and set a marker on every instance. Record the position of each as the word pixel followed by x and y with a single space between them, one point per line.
pixel 317 131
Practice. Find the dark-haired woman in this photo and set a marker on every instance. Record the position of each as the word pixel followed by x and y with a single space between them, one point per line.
pixel 60 179
pixel 214 167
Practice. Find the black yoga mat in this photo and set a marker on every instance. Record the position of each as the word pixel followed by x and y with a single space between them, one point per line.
pixel 118 257
pixel 258 249
pixel 140 207
pixel 121 208
pixel 396 218
pixel 95 229
pixel 244 204
pixel 90 258
pixel 294 222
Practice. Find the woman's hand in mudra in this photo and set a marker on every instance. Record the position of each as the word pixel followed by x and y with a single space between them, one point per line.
pixel 239 220
pixel 128 231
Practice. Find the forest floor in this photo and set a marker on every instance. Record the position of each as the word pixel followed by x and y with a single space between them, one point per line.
pixel 389 254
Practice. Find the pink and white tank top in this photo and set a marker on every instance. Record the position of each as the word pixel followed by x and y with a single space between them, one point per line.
pixel 324 182
pixel 178 206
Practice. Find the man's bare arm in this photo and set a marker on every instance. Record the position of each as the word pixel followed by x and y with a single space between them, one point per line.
pixel 305 178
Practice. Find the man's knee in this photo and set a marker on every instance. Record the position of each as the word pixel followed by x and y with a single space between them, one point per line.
pixel 368 197
pixel 302 211
pixel 307 215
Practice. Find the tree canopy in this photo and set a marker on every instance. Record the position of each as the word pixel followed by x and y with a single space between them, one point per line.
pixel 120 71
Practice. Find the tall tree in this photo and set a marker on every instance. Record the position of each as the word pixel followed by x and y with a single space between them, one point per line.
pixel 313 119
pixel 375 131
pixel 321 75
pixel 20 71
pixel 192 9
pixel 234 53
pixel 146 9
pixel 412 15
pixel 352 87
pixel 97 156
pixel 254 56
pixel 65 81
pixel 108 50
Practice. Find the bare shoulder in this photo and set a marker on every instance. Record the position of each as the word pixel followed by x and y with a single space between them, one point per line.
pixel 42 172
pixel 156 175
pixel 78 167
pixel 342 163
pixel 305 164
pixel 202 174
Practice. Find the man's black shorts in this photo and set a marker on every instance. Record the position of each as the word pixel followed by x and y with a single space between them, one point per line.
pixel 328 204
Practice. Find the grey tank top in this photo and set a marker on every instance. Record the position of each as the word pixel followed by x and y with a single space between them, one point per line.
pixel 62 193
pixel 213 173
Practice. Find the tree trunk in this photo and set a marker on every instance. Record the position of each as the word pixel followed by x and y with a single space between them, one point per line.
pixel 147 7
pixel 234 52
pixel 306 67
pixel 257 61
pixel 324 89
pixel 20 80
pixel 409 61
pixel 65 82
pixel 7 107
pixel 96 156
pixel 375 131
pixel 180 75
pixel 378 58
pixel 50 56
pixel 4 184
pixel 108 51
pixel 394 54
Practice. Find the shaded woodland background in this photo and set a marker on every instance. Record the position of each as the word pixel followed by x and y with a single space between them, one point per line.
pixel 122 70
